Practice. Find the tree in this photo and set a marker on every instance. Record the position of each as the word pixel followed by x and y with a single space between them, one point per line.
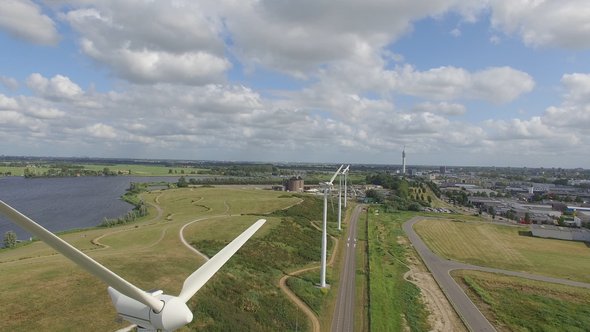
pixel 9 239
pixel 182 183
pixel 527 218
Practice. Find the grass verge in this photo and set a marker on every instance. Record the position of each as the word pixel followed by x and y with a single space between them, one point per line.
pixel 394 304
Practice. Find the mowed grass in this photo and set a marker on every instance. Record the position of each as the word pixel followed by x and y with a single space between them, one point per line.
pixel 394 304
pixel 504 247
pixel 516 304
pixel 146 170
pixel 41 290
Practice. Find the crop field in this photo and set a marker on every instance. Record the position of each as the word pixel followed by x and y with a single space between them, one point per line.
pixel 516 304
pixel 41 290
pixel 394 304
pixel 505 247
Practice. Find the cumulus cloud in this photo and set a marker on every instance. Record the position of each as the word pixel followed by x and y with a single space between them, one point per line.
pixel 24 19
pixel 441 108
pixel 181 43
pixel 544 23
pixel 9 82
pixel 497 85
pixel 317 32
pixel 58 87
pixel 7 103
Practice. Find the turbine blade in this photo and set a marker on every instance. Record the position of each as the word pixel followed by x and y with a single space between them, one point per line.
pixel 197 279
pixel 76 256
pixel 335 174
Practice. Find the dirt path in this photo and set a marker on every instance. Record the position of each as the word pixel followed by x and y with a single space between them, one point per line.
pixel 442 317
pixel 315 322
pixel 160 212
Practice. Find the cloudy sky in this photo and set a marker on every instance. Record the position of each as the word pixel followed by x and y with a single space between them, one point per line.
pixel 458 82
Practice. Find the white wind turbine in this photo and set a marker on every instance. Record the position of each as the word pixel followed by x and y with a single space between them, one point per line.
pixel 150 311
pixel 345 171
pixel 326 186
pixel 345 183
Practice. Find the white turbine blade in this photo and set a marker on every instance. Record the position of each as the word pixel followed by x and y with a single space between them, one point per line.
pixel 197 279
pixel 76 256
pixel 346 169
pixel 336 174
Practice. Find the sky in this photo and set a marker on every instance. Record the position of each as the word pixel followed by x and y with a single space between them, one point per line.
pixel 455 82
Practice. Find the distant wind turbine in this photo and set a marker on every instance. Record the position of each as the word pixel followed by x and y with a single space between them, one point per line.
pixel 150 311
pixel 326 186
pixel 345 183
pixel 344 172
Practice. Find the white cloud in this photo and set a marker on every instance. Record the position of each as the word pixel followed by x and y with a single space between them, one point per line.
pixel 45 113
pixel 314 33
pixel 455 33
pixel 497 85
pixel 544 23
pixel 101 130
pixel 58 87
pixel 24 19
pixel 7 103
pixel 9 82
pixel 181 43
pixel 440 108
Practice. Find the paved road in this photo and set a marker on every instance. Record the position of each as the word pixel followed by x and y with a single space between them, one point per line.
pixel 441 268
pixel 343 318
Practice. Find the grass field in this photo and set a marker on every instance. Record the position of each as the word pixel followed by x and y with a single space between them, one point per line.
pixel 394 304
pixel 505 247
pixel 41 290
pixel 515 304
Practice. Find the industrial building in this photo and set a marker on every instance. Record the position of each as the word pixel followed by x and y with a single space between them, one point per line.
pixel 295 184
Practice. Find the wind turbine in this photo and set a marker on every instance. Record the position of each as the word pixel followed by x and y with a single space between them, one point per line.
pixel 345 171
pixel 326 186
pixel 149 310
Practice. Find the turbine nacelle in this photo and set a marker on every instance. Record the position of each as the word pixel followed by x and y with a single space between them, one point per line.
pixel 174 315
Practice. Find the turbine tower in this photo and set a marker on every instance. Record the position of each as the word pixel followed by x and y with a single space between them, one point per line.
pixel 345 184
pixel 404 160
pixel 151 311
pixel 326 186
pixel 344 172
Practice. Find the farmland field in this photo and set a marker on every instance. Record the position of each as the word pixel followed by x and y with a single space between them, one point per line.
pixel 516 304
pixel 505 247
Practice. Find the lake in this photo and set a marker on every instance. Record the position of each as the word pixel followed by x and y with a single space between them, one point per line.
pixel 60 204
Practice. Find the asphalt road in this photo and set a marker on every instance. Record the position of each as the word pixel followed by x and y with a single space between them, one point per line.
pixel 441 268
pixel 343 318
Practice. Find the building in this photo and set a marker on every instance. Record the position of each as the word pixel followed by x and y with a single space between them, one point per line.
pixel 562 233
pixel 295 184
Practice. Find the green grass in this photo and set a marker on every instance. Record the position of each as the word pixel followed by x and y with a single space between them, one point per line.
pixel 42 290
pixel 516 304
pixel 503 247
pixel 134 170
pixel 394 303
pixel 147 170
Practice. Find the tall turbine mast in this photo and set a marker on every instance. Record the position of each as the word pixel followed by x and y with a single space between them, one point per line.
pixel 344 172
pixel 326 186
pixel 345 183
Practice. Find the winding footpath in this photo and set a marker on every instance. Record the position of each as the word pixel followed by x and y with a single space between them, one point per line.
pixel 441 268
pixel 315 322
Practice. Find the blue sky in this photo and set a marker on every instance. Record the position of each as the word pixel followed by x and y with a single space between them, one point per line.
pixel 492 82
